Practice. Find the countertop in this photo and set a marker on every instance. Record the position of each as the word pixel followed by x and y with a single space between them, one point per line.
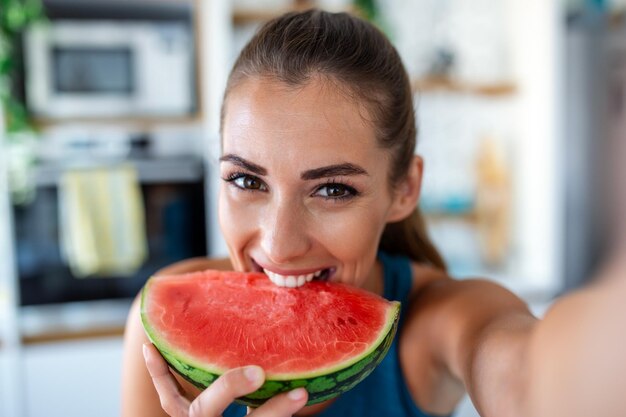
pixel 80 320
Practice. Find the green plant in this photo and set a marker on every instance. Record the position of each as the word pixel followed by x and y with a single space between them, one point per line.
pixel 368 8
pixel 371 10
pixel 15 17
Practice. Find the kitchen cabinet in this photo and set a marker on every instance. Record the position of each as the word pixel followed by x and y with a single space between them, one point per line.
pixel 72 378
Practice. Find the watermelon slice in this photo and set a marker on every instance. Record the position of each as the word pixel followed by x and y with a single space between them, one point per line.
pixel 322 336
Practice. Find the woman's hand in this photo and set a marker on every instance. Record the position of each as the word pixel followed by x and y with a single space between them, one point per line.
pixel 215 399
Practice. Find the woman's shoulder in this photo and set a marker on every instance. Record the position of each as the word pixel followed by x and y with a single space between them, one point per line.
pixel 425 275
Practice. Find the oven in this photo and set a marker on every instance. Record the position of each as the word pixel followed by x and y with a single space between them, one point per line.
pixel 173 194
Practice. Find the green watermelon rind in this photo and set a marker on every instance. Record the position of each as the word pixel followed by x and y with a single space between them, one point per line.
pixel 322 385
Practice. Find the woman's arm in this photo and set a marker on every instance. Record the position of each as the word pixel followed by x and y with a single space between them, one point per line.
pixel 477 334
pixel 139 397
pixel 483 338
pixel 578 352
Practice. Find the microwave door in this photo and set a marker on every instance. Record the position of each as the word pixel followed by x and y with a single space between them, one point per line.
pixel 92 81
pixel 80 70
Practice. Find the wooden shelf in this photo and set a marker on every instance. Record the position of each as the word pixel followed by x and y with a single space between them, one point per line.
pixel 442 84
pixel 64 335
pixel 247 16
pixel 469 217
pixel 243 16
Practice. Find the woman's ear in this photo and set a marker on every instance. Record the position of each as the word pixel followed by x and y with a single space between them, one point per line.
pixel 407 192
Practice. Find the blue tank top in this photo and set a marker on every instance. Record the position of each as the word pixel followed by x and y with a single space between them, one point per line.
pixel 384 392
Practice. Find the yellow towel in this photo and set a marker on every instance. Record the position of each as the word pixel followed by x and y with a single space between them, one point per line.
pixel 102 221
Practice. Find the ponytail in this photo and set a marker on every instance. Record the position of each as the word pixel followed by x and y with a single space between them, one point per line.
pixel 409 237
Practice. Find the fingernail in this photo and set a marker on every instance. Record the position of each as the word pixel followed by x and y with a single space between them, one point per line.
pixel 253 373
pixel 145 351
pixel 296 394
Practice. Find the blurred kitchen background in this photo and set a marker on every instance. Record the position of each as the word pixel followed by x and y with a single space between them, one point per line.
pixel 109 142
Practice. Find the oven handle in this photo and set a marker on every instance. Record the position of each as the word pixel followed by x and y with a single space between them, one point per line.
pixel 149 171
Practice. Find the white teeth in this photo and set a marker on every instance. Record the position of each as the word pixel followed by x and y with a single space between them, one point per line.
pixel 291 281
pixel 275 278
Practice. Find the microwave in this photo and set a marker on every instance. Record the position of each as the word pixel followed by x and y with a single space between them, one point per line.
pixel 100 69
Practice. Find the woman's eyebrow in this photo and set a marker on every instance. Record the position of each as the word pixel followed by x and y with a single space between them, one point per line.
pixel 243 163
pixel 333 171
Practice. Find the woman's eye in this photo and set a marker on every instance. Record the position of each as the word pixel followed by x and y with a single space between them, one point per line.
pixel 247 182
pixel 336 191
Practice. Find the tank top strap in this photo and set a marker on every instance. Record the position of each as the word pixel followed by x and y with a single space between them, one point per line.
pixel 397 276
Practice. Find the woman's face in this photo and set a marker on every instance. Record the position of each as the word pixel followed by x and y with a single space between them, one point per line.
pixel 305 190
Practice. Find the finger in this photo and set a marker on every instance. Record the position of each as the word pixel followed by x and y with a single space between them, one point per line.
pixel 221 393
pixel 170 392
pixel 282 405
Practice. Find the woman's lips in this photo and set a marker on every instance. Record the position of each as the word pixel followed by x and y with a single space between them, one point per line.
pixel 293 278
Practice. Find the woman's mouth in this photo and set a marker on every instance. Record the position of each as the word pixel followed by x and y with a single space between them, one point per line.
pixel 295 281
pixel 296 278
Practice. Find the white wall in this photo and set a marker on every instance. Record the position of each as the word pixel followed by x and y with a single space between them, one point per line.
pixel 215 24
pixel 537 34
pixel 10 380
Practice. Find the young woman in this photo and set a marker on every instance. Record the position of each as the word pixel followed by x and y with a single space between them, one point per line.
pixel 320 177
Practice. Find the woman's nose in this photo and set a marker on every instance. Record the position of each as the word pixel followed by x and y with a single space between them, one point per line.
pixel 284 236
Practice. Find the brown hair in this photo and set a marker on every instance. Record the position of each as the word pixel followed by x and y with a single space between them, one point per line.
pixel 359 59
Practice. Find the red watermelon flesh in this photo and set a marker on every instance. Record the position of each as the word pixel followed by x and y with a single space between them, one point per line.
pixel 223 320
